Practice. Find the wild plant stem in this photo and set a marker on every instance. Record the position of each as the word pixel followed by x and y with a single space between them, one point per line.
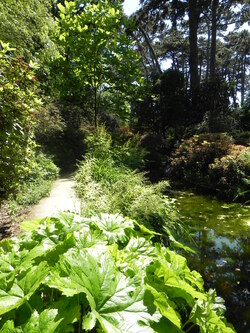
pixel 31 310
pixel 190 328
pixel 52 295
pixel 79 326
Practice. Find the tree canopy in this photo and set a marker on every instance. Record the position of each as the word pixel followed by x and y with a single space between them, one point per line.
pixel 96 54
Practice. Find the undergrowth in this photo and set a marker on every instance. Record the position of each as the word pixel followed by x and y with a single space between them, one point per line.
pixel 35 184
pixel 100 274
pixel 106 184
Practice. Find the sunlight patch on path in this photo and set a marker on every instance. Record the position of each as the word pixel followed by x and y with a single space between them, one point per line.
pixel 62 198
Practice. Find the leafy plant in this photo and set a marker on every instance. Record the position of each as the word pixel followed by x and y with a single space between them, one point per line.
pixel 231 174
pixel 213 163
pixel 34 184
pixel 19 103
pixel 106 184
pixel 101 54
pixel 100 274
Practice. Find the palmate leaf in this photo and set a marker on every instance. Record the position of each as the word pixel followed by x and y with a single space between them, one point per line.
pixel 208 314
pixel 181 269
pixel 23 288
pixel 7 266
pixel 138 251
pixel 70 310
pixel 116 301
pixel 30 225
pixel 161 277
pixel 165 306
pixel 44 322
pixel 89 239
pixel 113 226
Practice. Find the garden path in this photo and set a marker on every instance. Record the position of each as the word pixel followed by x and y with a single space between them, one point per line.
pixel 62 198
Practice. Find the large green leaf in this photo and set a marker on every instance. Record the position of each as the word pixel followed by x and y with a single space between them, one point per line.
pixel 208 314
pixel 139 252
pixel 89 239
pixel 7 264
pixel 116 301
pixel 44 322
pixel 165 306
pixel 30 225
pixel 70 310
pixel 23 288
pixel 113 226
pixel 161 276
pixel 181 269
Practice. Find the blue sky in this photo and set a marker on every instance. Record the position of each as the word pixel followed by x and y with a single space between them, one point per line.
pixel 130 6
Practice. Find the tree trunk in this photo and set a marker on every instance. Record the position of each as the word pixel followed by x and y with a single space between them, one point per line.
pixel 152 52
pixel 142 53
pixel 215 4
pixel 243 76
pixel 208 47
pixel 194 15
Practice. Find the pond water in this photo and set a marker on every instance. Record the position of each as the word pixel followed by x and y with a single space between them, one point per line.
pixel 221 233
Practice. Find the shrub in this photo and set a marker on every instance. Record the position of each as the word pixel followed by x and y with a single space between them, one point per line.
pixel 105 183
pixel 19 104
pixel 131 153
pixel 190 162
pixel 211 162
pixel 40 167
pixel 103 186
pixel 231 174
pixel 101 146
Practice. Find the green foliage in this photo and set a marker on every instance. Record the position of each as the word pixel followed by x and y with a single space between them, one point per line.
pixel 191 159
pixel 19 104
pixel 95 53
pixel 35 183
pixel 231 174
pixel 101 146
pixel 130 153
pixel 212 162
pixel 102 274
pixel 26 26
pixel 105 183
pixel 60 131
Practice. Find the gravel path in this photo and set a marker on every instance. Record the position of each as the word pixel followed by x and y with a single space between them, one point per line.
pixel 62 198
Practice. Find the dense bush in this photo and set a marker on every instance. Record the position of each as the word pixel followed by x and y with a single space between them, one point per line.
pixel 231 174
pixel 101 146
pixel 211 162
pixel 191 160
pixel 100 274
pixel 105 183
pixel 18 104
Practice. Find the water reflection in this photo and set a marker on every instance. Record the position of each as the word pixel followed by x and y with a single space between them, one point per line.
pixel 222 236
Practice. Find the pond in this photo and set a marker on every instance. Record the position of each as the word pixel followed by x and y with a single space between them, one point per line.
pixel 221 234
